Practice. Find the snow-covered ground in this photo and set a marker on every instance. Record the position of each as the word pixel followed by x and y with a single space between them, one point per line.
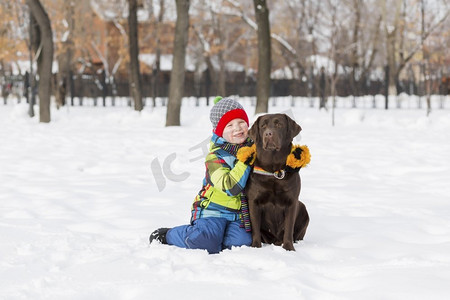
pixel 79 197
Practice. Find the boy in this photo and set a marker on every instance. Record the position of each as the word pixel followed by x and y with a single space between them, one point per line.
pixel 219 210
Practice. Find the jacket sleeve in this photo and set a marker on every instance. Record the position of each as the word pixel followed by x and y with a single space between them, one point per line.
pixel 229 180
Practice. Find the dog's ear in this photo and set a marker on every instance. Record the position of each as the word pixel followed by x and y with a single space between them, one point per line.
pixel 292 127
pixel 253 132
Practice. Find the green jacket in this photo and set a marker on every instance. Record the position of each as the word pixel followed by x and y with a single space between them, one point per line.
pixel 225 179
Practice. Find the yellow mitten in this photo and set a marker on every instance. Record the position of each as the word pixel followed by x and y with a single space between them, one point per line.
pixel 299 157
pixel 247 154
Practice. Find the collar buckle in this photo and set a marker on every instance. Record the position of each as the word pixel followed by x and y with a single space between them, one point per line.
pixel 279 174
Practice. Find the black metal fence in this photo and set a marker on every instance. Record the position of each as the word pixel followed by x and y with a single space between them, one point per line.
pixel 96 86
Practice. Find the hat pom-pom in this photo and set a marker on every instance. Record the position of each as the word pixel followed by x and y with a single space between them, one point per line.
pixel 217 99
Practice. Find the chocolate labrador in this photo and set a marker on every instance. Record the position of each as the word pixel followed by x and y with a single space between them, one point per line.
pixel 273 188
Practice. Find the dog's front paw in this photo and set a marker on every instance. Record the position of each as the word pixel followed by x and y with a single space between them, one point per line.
pixel 288 246
pixel 256 244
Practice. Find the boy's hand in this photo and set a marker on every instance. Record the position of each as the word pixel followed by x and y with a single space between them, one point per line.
pixel 247 155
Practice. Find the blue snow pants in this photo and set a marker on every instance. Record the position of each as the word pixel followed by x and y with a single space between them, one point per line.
pixel 213 234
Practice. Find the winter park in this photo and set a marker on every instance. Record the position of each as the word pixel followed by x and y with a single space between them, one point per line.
pixel 108 117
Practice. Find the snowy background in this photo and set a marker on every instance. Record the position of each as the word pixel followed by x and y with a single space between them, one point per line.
pixel 79 197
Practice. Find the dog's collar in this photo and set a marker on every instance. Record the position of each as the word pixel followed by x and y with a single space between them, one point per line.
pixel 298 158
pixel 278 174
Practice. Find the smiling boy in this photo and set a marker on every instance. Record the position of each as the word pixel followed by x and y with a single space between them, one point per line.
pixel 217 220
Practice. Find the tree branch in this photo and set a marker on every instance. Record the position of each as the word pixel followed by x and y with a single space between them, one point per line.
pixel 281 41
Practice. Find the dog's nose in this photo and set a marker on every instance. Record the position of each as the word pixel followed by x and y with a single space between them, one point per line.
pixel 268 133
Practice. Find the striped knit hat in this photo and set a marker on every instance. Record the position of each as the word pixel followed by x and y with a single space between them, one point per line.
pixel 224 111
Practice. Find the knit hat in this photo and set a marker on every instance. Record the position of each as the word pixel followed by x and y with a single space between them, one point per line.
pixel 224 111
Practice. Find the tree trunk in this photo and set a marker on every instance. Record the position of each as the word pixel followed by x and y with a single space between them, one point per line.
pixel 387 76
pixel 45 58
pixel 34 44
pixel 322 89
pixel 264 59
pixel 425 57
pixel 176 86
pixel 354 53
pixel 211 76
pixel 221 82
pixel 64 63
pixel 221 76
pixel 334 79
pixel 135 76
pixel 391 31
pixel 155 76
pixel 65 57
pixel 157 65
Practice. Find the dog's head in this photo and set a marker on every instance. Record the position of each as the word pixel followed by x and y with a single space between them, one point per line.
pixel 273 131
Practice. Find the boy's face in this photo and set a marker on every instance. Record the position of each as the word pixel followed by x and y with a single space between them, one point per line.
pixel 236 131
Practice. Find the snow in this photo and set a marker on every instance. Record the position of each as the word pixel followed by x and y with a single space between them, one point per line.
pixel 167 59
pixel 65 36
pixel 114 10
pixel 20 67
pixel 79 199
pixel 328 64
pixel 283 73
pixel 318 61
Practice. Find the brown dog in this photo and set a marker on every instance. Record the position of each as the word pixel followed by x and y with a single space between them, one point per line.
pixel 276 214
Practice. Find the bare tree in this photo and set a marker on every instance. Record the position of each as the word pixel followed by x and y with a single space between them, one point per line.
pixel 354 50
pixel 333 54
pixel 111 51
pixel 65 56
pixel 157 64
pixel 425 63
pixel 304 24
pixel 288 51
pixel 208 30
pixel 338 46
pixel 399 51
pixel 218 35
pixel 390 30
pixel 216 47
pixel 135 75
pixel 364 41
pixel 176 86
pixel 369 44
pixel 44 53
pixel 33 35
pixel 264 57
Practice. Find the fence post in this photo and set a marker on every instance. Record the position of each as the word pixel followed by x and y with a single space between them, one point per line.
pixel 386 86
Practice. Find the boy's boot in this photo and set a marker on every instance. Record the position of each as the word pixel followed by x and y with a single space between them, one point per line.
pixel 159 235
